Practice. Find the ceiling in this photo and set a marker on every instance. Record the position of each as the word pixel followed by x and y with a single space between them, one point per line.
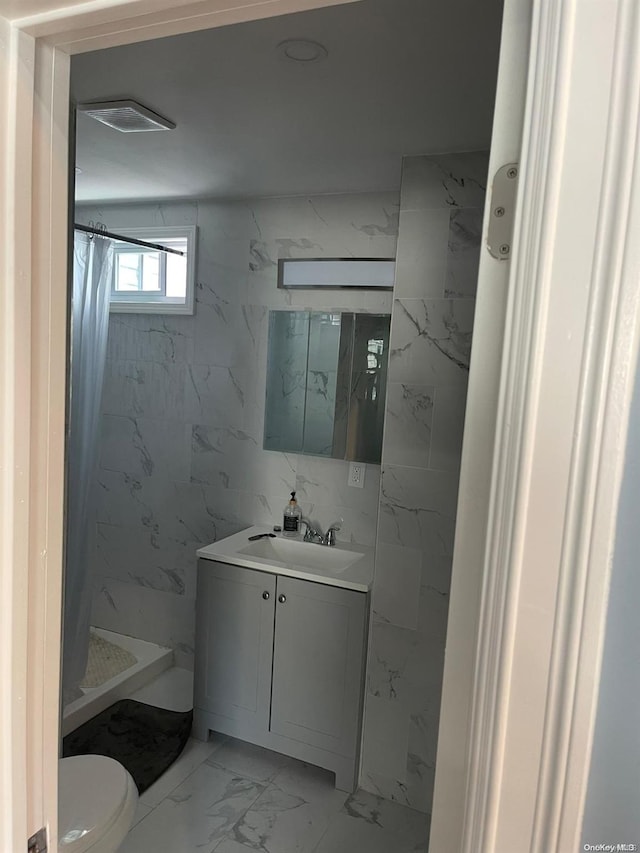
pixel 401 77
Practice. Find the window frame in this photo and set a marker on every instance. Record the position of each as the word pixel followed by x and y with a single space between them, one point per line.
pixel 150 302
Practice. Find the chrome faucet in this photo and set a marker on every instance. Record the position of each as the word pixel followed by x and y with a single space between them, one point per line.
pixel 312 533
pixel 329 537
pixel 315 535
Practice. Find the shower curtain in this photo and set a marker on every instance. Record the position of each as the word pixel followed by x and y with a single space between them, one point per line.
pixel 92 267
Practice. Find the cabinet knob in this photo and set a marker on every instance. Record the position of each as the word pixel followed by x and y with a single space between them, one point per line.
pixel 266 595
pixel 282 598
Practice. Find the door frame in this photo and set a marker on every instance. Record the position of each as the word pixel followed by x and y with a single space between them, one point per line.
pixel 568 359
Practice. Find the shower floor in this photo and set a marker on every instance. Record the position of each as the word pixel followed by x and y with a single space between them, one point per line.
pixel 150 661
pixel 105 660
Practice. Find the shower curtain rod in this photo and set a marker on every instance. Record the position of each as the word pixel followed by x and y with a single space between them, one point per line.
pixel 100 232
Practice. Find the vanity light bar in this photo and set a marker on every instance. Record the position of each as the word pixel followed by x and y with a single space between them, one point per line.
pixel 371 273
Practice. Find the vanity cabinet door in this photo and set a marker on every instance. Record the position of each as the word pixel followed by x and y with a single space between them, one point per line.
pixel 234 628
pixel 318 664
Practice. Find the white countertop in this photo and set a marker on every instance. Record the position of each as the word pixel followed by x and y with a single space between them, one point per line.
pixel 357 576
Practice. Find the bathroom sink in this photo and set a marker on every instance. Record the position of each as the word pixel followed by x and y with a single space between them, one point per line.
pixel 302 554
pixel 343 565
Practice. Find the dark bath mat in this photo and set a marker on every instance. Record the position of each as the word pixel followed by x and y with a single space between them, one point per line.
pixel 146 740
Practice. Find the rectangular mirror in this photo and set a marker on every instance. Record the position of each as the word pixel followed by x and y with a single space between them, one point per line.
pixel 326 384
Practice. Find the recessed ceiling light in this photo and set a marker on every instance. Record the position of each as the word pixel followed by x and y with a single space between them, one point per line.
pixel 126 116
pixel 302 50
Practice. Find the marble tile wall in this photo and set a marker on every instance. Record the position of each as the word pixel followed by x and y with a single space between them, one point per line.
pixel 441 208
pixel 182 462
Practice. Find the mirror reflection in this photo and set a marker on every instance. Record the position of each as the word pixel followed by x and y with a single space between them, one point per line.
pixel 326 384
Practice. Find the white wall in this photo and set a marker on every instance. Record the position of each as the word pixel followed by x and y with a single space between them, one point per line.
pixel 612 809
pixel 441 206
pixel 182 462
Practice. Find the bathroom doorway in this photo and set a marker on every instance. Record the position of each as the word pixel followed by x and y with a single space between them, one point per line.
pixel 181 391
pixel 579 59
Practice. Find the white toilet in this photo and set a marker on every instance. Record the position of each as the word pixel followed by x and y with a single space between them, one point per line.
pixel 97 800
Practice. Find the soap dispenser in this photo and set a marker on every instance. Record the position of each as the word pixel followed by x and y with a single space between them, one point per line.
pixel 292 516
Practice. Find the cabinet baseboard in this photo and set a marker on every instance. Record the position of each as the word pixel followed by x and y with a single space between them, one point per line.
pixel 344 767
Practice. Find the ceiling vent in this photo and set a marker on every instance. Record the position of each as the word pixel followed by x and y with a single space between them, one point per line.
pixel 126 116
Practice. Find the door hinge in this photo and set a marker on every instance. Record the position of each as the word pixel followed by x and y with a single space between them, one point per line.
pixel 503 206
pixel 38 842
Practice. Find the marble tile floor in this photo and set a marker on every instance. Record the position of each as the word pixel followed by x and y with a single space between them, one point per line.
pixel 231 797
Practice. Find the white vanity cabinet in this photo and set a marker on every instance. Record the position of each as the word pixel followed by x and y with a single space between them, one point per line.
pixel 280 662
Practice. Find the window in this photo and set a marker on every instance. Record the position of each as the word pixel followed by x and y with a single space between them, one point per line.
pixel 146 280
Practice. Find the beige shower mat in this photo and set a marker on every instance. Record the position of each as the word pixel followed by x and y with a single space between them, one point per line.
pixel 106 660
